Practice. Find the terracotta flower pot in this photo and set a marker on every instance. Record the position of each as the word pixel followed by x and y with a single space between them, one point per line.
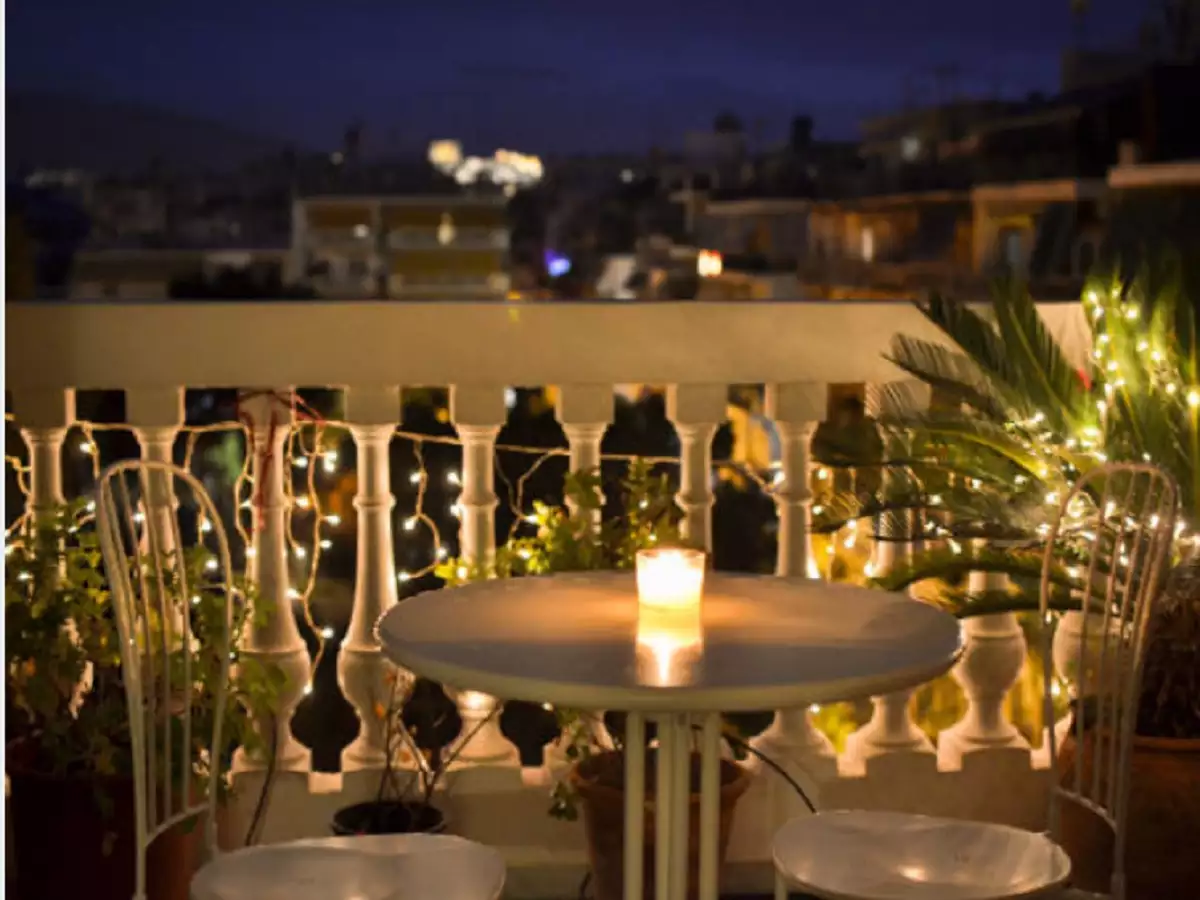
pixel 64 845
pixel 599 782
pixel 1161 862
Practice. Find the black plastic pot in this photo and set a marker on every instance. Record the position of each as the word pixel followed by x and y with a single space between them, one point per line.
pixel 388 817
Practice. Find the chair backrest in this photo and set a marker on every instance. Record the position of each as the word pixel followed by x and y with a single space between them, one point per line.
pixel 1107 550
pixel 174 609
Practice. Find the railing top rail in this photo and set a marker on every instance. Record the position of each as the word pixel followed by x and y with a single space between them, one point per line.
pixel 113 345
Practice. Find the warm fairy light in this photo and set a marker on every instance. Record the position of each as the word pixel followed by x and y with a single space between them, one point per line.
pixel 1193 398
pixel 415 478
pixel 453 479
pixel 334 520
pixel 410 523
pixel 403 577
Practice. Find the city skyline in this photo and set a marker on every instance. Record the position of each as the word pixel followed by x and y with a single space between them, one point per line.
pixel 542 77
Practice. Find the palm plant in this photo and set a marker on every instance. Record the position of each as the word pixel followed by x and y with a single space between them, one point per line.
pixel 972 479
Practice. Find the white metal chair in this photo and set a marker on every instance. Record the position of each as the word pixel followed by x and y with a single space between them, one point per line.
pixel 1110 539
pixel 141 537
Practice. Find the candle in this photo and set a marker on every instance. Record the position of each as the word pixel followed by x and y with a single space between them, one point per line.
pixel 670 586
pixel 670 578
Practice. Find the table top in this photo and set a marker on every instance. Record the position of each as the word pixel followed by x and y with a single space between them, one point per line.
pixel 768 642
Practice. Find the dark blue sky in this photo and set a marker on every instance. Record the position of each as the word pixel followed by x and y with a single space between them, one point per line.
pixel 539 74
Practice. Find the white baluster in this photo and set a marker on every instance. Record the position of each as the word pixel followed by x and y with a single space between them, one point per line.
pixel 363 671
pixel 277 639
pixel 156 415
pixel 585 412
pixel 1066 649
pixel 796 409
pixel 478 414
pixel 696 410
pixel 891 728
pixel 792 739
pixel 44 417
pixel 990 666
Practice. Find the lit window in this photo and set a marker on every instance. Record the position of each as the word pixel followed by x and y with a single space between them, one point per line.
pixel 445 232
pixel 868 244
pixel 361 231
pixel 709 264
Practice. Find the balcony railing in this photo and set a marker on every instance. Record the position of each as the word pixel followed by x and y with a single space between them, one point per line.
pixel 981 767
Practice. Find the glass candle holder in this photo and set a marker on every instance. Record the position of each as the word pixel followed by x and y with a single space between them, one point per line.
pixel 670 586
pixel 670 578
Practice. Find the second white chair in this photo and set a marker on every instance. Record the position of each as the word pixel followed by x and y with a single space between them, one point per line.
pixel 1121 546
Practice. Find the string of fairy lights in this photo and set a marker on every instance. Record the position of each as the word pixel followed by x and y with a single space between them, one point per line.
pixel 312 465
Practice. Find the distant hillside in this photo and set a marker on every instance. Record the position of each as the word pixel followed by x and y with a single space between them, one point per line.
pixel 61 130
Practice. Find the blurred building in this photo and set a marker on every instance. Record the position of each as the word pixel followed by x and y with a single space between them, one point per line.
pixel 400 232
pixel 154 274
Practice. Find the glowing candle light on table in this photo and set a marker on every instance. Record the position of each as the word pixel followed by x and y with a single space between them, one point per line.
pixel 670 587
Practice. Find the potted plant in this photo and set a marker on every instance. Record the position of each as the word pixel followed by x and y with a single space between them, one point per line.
pixel 419 726
pixel 69 758
pixel 571 539
pixel 974 480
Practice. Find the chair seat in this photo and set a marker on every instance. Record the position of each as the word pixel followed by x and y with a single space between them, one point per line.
pixel 370 867
pixel 892 856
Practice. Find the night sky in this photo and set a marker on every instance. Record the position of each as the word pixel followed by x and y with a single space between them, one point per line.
pixel 540 75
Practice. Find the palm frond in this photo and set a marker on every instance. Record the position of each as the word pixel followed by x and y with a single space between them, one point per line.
pixel 1048 380
pixel 952 375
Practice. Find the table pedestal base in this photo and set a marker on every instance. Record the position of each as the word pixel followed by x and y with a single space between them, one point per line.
pixel 677 734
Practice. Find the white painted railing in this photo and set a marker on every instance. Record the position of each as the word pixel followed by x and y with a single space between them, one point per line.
pixel 369 350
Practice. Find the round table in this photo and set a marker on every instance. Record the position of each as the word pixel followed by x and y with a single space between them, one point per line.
pixel 767 643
